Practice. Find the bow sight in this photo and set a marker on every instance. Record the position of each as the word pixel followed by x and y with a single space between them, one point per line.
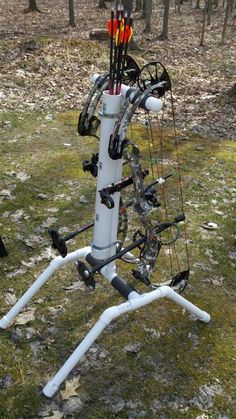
pixel 119 103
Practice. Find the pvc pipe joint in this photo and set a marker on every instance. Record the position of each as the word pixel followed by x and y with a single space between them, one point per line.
pixel 151 104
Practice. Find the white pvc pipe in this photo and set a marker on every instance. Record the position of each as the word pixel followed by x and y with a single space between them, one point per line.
pixel 168 292
pixel 108 273
pixel 42 279
pixel 191 308
pixel 106 318
pixel 151 104
pixel 109 171
pixel 53 385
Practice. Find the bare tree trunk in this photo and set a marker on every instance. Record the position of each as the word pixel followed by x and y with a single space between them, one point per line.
pixel 71 14
pixel 203 24
pixel 231 93
pixel 32 7
pixel 164 34
pixel 144 10
pixel 139 5
pixel 128 6
pixel 102 4
pixel 209 12
pixel 225 21
pixel 198 4
pixel 178 4
pixel 148 13
pixel 232 5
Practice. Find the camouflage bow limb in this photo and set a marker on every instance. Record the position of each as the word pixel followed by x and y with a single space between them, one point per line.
pixel 88 121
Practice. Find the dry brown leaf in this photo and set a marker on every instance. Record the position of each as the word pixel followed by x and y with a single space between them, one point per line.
pixel 70 389
pixel 10 297
pixel 26 316
pixel 78 285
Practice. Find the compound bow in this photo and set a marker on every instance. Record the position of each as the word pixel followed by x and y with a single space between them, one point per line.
pixel 154 80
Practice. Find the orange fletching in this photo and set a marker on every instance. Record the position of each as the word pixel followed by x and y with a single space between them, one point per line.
pixel 119 35
pixel 128 32
pixel 112 26
pixel 123 34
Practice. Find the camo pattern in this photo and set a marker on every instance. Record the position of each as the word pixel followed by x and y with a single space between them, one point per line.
pixel 122 225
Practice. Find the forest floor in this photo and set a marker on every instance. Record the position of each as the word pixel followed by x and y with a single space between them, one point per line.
pixel 56 73
pixel 157 362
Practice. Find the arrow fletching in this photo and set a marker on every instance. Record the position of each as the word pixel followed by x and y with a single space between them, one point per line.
pixel 120 31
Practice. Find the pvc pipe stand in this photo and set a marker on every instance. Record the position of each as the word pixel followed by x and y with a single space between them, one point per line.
pixel 105 235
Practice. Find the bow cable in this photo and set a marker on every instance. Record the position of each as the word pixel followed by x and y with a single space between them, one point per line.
pixel 180 179
pixel 153 149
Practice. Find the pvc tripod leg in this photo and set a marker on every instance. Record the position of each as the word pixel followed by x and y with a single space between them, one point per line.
pixel 42 279
pixel 106 318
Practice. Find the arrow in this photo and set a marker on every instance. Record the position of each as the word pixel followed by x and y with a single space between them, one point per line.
pixel 120 32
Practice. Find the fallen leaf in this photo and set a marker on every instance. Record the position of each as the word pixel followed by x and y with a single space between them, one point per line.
pixel 47 254
pixel 10 298
pixel 83 200
pixel 19 271
pixel 210 226
pixel 30 241
pixel 22 176
pixel 56 414
pixel 70 389
pixel 25 317
pixel 217 281
pixel 78 285
pixel 133 348
pixel 49 221
pixel 53 210
pixel 5 193
pixel 18 215
pixel 55 310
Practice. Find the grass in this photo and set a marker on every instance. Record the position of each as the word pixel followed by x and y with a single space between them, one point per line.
pixel 166 373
